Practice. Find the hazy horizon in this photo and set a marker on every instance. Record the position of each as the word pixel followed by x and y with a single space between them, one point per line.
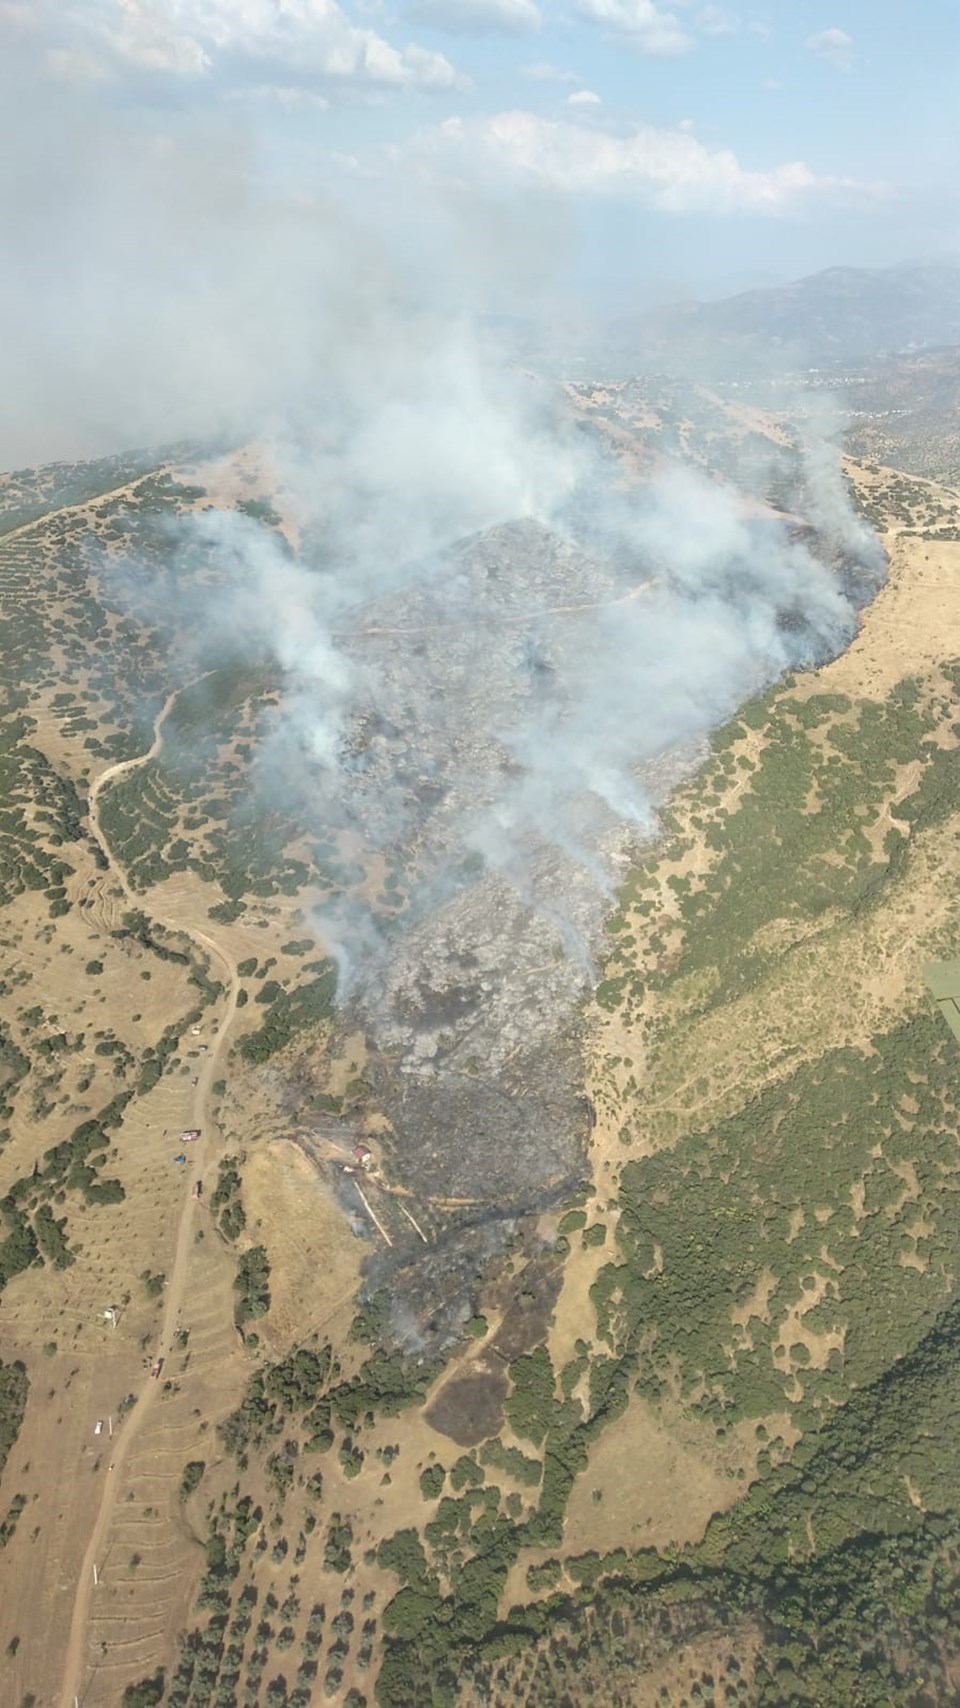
pixel 206 198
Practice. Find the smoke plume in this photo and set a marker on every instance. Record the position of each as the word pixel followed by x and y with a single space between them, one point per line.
pixel 496 654
pixel 490 647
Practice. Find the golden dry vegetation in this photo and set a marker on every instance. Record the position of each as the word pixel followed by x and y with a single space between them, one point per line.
pixel 689 1034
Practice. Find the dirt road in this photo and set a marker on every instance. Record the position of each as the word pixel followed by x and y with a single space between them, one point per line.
pixel 510 620
pixel 76 1660
pixel 82 505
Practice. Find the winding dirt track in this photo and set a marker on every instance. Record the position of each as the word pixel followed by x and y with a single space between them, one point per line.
pixel 75 1677
pixel 83 506
pixel 510 620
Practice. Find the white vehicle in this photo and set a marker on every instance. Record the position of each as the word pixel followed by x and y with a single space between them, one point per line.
pixel 98 1426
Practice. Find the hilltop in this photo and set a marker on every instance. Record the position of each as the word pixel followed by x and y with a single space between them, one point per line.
pixel 837 318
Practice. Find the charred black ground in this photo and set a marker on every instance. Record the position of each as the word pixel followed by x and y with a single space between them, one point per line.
pixel 478 947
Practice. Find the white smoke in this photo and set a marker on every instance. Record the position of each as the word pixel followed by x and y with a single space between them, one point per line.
pixel 383 624
pixel 164 286
pixel 829 497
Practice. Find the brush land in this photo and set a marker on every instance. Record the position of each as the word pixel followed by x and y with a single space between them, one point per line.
pixel 696 1441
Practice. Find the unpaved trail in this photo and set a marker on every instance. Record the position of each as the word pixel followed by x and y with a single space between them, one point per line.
pixel 75 1660
pixel 121 769
pixel 511 620
pixel 83 504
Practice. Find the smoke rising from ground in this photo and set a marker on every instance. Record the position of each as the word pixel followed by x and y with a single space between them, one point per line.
pixel 504 716
pixel 488 644
pixel 495 655
pixel 497 659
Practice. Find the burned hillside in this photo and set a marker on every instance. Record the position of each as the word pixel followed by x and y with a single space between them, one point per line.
pixel 522 710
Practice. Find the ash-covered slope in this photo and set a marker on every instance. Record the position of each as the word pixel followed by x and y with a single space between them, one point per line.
pixel 453 662
pixel 521 708
pixel 467 995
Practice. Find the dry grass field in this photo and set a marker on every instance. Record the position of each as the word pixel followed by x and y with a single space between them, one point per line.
pixel 765 1229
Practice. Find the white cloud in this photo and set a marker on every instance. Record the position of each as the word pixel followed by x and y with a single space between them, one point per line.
pixel 17 16
pixel 834 46
pixel 543 72
pixel 479 17
pixel 584 98
pixel 192 38
pixel 717 21
pixel 147 34
pixel 670 170
pixel 288 96
pixel 637 24
pixel 75 65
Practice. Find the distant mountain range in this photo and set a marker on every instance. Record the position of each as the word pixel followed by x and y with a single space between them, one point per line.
pixel 845 315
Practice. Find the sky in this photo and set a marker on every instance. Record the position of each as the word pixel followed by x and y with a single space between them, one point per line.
pixel 188 175
pixel 277 219
pixel 641 146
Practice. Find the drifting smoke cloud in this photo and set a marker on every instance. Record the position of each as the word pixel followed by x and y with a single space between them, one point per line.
pixel 828 497
pixel 495 660
pixel 498 708
pixel 496 705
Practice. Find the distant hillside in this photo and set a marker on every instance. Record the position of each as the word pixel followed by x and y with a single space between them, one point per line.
pixel 846 314
pixel 905 411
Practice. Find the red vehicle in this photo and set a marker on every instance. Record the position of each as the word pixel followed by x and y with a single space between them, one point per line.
pixel 156 1368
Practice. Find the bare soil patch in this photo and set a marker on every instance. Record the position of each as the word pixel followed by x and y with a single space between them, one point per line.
pixel 661 1477
pixel 526 1318
pixel 315 1259
pixel 912 625
pixel 469 1409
